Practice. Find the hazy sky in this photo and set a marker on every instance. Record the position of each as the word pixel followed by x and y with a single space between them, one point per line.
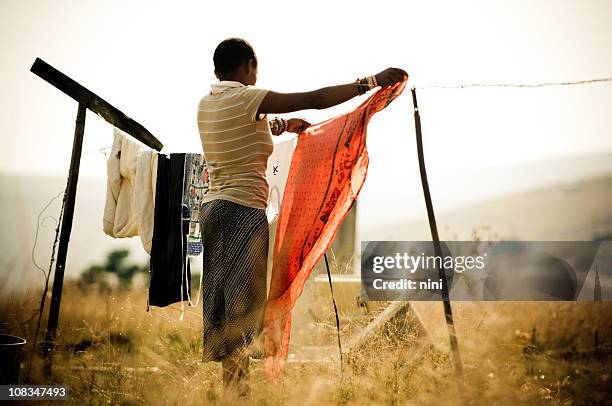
pixel 153 60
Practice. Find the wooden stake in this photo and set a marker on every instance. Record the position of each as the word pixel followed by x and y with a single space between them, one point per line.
pixel 448 311
pixel 66 228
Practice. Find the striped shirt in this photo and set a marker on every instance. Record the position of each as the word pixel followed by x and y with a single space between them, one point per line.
pixel 236 146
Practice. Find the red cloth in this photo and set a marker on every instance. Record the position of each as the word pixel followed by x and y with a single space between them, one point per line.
pixel 328 169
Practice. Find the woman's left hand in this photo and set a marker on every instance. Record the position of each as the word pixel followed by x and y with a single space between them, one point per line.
pixel 297 125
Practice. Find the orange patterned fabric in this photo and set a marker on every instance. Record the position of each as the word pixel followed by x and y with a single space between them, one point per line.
pixel 328 169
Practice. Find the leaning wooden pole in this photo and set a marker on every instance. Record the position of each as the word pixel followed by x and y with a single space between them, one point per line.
pixel 66 228
pixel 448 311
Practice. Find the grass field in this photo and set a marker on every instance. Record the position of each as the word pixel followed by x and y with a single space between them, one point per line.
pixel 111 350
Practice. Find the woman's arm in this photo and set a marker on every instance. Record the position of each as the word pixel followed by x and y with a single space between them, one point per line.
pixel 323 98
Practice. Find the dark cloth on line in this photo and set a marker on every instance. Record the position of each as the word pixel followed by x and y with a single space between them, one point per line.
pixel 168 252
pixel 234 266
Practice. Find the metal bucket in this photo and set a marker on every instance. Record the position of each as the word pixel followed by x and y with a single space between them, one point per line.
pixel 10 358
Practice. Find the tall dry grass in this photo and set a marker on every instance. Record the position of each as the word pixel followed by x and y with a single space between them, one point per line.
pixel 539 353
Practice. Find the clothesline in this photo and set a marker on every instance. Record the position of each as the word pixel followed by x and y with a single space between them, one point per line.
pixel 469 85
pixel 520 85
pixel 102 150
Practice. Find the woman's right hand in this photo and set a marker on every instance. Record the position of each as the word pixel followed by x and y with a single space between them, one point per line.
pixel 390 76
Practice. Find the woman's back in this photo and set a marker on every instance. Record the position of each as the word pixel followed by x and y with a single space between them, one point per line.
pixel 236 146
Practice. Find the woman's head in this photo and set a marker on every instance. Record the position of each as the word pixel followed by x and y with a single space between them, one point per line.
pixel 235 60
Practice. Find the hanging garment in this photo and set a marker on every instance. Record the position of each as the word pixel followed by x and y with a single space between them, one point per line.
pixel 195 186
pixel 327 172
pixel 235 250
pixel 119 217
pixel 131 178
pixel 144 207
pixel 277 172
pixel 169 267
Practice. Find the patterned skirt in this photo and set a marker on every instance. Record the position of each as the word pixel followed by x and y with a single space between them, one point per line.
pixel 234 270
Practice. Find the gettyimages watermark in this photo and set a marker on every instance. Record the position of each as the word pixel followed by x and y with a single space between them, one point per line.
pixel 487 270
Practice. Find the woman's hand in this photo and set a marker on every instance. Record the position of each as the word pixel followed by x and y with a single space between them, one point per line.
pixel 390 76
pixel 296 125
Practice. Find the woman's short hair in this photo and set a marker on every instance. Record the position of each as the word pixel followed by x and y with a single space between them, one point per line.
pixel 230 54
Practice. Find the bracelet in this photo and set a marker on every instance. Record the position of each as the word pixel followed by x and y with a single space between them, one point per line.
pixel 365 84
pixel 372 81
pixel 278 125
pixel 273 126
pixel 361 86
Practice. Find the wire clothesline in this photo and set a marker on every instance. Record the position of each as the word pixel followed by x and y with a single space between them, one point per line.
pixel 523 85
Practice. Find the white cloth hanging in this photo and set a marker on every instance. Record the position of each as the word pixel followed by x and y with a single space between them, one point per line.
pixel 130 191
pixel 277 173
pixel 144 196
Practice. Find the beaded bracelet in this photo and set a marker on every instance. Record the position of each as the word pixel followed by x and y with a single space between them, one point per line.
pixel 273 126
pixel 361 87
pixel 278 125
pixel 365 84
pixel 372 81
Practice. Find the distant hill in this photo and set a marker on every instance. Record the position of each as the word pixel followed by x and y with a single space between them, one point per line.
pixel 464 187
pixel 573 211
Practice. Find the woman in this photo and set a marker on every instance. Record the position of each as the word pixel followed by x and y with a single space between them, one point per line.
pixel 236 141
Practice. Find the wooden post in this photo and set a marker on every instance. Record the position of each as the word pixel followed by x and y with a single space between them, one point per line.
pixel 448 311
pixel 66 228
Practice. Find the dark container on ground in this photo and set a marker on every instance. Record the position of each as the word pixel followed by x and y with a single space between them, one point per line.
pixel 10 357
